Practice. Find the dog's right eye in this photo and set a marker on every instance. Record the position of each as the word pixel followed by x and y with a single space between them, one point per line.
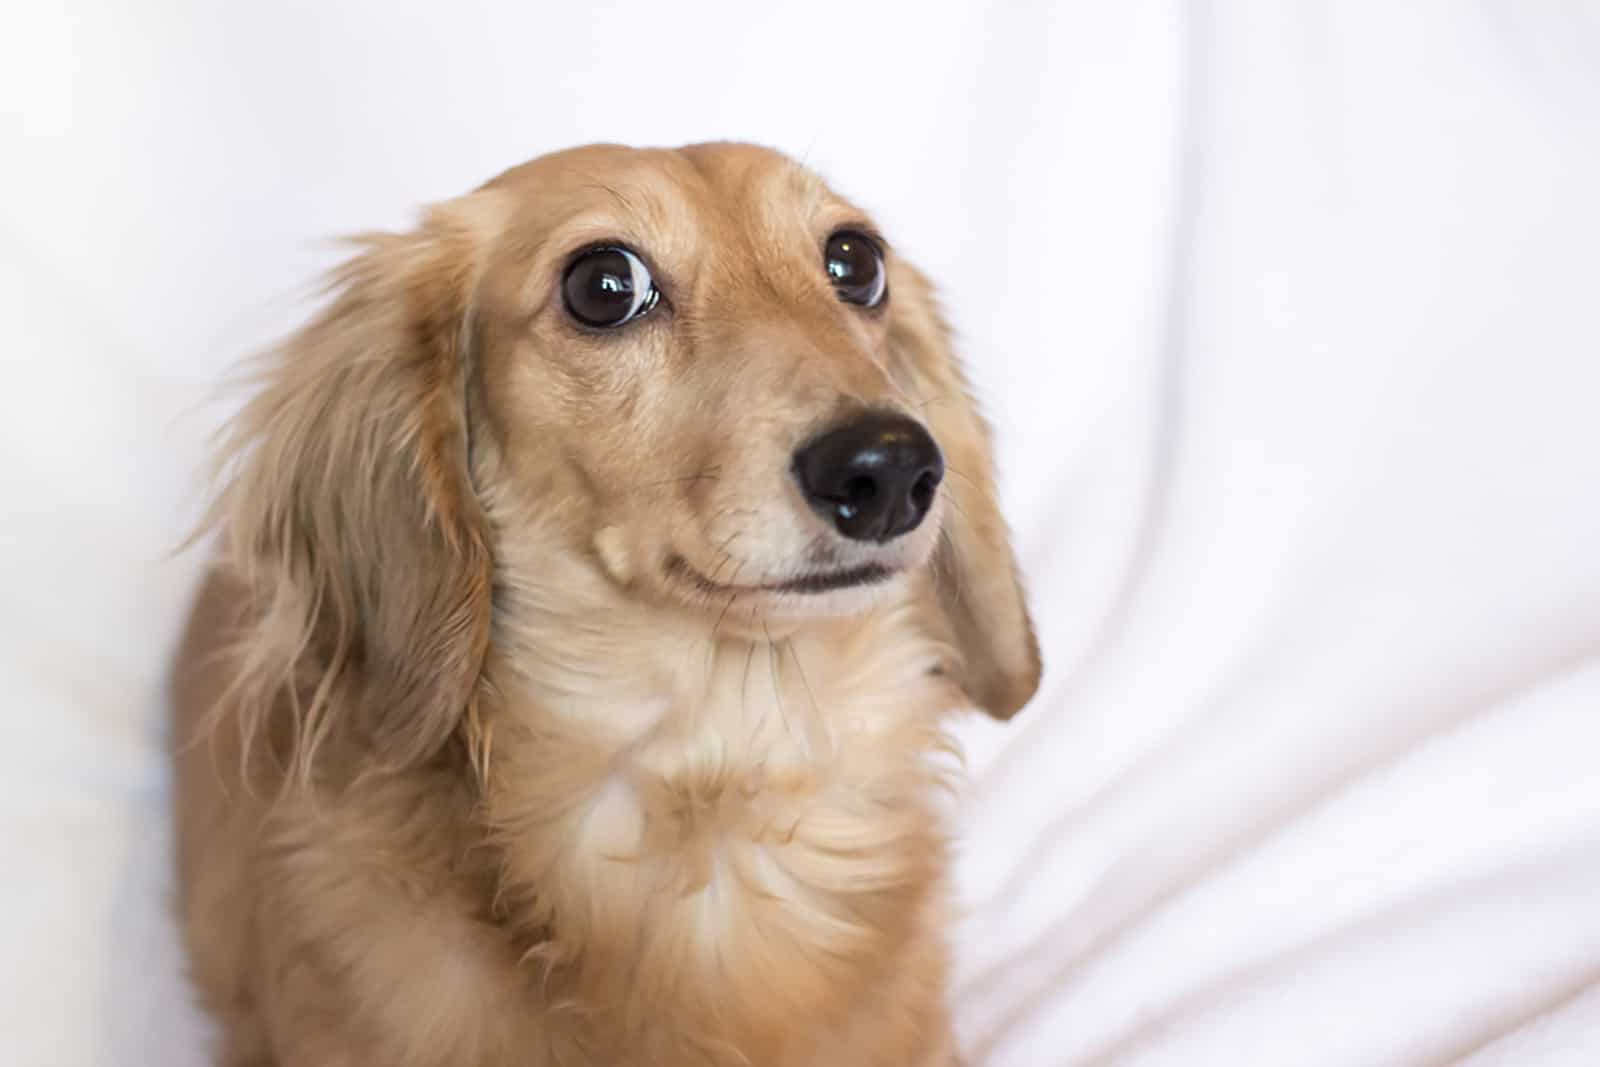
pixel 608 287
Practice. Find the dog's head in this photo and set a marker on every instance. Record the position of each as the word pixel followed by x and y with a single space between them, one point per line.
pixel 710 378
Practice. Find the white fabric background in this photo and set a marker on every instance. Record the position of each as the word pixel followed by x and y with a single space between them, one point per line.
pixel 1287 314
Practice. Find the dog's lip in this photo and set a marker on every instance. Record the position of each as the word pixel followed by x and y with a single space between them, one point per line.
pixel 813 582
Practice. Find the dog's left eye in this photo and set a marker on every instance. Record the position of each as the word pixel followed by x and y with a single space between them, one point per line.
pixel 608 287
pixel 855 267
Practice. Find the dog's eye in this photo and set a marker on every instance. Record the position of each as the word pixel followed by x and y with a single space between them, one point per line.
pixel 607 287
pixel 855 267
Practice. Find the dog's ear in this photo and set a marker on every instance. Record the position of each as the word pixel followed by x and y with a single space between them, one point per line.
pixel 349 511
pixel 975 570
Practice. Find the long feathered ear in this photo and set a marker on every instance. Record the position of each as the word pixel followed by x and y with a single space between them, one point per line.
pixel 979 588
pixel 348 512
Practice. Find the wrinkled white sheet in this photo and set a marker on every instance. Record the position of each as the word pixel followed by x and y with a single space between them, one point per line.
pixel 1287 315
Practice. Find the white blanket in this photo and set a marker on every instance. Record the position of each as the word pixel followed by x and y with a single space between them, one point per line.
pixel 1288 318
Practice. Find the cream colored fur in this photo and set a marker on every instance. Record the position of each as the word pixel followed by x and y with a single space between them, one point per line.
pixel 475 775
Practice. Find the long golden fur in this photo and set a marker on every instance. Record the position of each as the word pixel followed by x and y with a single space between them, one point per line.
pixel 500 745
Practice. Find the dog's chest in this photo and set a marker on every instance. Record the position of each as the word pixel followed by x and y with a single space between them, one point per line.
pixel 784 774
pixel 756 846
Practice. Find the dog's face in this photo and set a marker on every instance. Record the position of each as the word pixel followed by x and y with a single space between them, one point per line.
pixel 708 379
pixel 689 354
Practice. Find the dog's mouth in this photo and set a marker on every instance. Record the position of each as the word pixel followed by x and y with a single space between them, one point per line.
pixel 810 583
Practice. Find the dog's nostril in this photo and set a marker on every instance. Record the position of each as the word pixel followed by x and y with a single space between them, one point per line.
pixel 860 489
pixel 922 490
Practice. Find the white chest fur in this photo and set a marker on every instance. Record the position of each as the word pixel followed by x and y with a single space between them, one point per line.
pixel 747 834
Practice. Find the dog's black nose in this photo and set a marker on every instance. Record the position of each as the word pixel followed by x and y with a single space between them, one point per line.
pixel 874 478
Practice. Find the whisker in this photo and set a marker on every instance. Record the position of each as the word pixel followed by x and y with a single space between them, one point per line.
pixel 734 596
pixel 947 574
pixel 744 684
pixel 951 497
pixel 794 654
pixel 777 692
pixel 959 474
pixel 716 572
pixel 711 642
pixel 709 474
pixel 727 557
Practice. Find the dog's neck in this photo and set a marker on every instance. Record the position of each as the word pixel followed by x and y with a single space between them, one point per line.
pixel 703 813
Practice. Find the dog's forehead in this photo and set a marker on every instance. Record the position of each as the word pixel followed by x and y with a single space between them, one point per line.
pixel 751 176
pixel 706 195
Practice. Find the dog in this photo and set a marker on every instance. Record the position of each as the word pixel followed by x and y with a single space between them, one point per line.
pixel 596 576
